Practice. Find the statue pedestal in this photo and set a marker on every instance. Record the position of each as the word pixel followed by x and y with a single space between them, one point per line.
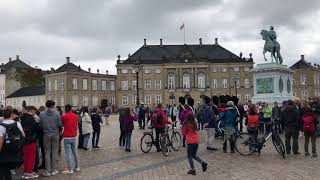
pixel 272 82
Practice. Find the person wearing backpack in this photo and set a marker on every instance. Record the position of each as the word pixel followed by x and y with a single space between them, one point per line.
pixel 29 148
pixel 50 124
pixel 159 120
pixel 229 120
pixel 309 122
pixel 209 120
pixel 11 144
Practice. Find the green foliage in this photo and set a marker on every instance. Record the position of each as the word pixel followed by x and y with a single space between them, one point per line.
pixel 29 77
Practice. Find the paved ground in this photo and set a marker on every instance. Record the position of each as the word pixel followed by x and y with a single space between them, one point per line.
pixel 111 162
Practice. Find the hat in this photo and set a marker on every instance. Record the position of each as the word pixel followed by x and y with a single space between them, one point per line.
pixel 230 103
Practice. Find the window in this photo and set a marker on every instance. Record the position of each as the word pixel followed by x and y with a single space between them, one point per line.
pixel 316 80
pixel 147 84
pixel 147 71
pixel 304 94
pixel 157 71
pixel 186 81
pixel 112 86
pixel 224 83
pixel 85 100
pixel 224 69
pixel 157 84
pixel 147 99
pixel 133 71
pixel 236 69
pixel 55 84
pixel 85 84
pixel 94 85
pixel 49 86
pixel 74 83
pixel 171 83
pixel 124 85
pixel 103 85
pixel 113 100
pixel 247 97
pixel 75 100
pixel 61 101
pixel 94 100
pixel 158 99
pixel 134 85
pixel 124 100
pixel 62 84
pixel 124 71
pixel 134 99
pixel 214 69
pixel 214 84
pixel 201 81
pixel 246 83
pixel 246 69
pixel 303 79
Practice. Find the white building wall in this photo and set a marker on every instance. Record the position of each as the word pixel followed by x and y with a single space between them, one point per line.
pixel 2 89
pixel 16 102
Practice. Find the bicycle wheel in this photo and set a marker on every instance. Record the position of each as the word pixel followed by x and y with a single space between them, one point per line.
pixel 176 141
pixel 245 144
pixel 278 144
pixel 164 145
pixel 146 143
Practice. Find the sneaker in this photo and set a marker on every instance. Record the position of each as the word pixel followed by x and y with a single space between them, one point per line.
pixel 46 174
pixel 307 154
pixel 13 172
pixel 55 172
pixel 30 176
pixel 192 172
pixel 204 166
pixel 314 155
pixel 77 169
pixel 67 172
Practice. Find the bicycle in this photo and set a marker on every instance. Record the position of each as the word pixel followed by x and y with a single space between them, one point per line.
pixel 246 145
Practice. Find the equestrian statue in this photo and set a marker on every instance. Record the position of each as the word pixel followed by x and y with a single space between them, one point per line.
pixel 271 45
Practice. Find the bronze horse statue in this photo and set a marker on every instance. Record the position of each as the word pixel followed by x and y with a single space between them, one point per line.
pixel 271 46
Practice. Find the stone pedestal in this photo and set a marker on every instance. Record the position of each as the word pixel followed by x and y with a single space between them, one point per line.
pixel 272 82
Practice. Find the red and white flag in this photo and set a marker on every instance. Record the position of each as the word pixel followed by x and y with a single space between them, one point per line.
pixel 182 26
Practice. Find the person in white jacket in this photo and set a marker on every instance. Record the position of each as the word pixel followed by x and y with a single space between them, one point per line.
pixel 86 127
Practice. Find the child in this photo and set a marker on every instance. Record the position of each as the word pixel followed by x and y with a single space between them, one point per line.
pixel 190 132
pixel 309 128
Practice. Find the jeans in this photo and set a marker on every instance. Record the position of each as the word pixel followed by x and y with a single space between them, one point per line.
pixel 307 137
pixel 95 137
pixel 291 132
pixel 51 146
pixel 142 122
pixel 71 152
pixel 122 138
pixel 210 136
pixel 128 139
pixel 158 132
pixel 192 154
pixel 29 157
pixel 86 138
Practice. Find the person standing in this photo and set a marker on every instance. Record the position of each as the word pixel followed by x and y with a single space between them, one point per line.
pixel 199 114
pixel 267 114
pixel 276 113
pixel 230 121
pixel 142 117
pixel 50 123
pixel 291 118
pixel 209 120
pixel 40 139
pixel 309 128
pixel 70 126
pixel 128 119
pixel 252 122
pixel 174 112
pixel 122 137
pixel 190 131
pixel 96 121
pixel 29 148
pixel 86 127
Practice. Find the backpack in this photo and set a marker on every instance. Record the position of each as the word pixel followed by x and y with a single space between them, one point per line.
pixel 11 154
pixel 157 117
pixel 308 124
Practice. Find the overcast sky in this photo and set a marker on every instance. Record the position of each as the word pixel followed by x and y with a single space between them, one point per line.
pixel 93 33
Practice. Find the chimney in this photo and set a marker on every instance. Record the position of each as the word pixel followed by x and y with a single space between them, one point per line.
pixel 240 54
pixel 97 71
pixel 67 60
pixel 107 72
pixel 302 57
pixel 216 41
pixel 250 55
pixel 17 57
pixel 129 55
pixel 315 65
pixel 161 42
pixel 145 42
pixel 200 41
pixel 119 57
pixel 52 69
pixel 79 68
pixel 10 59
pixel 89 69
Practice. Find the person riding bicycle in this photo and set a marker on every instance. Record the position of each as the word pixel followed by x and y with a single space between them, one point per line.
pixel 159 121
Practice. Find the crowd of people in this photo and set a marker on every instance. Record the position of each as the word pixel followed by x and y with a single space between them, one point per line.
pixel 34 137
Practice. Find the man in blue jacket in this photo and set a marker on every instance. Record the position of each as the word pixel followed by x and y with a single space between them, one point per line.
pixel 209 119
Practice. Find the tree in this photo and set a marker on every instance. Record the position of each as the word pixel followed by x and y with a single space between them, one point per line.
pixel 29 77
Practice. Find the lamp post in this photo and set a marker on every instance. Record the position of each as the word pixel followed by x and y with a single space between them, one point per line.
pixel 137 68
pixel 235 81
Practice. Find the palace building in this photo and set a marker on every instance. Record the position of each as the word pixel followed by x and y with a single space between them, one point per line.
pixel 170 71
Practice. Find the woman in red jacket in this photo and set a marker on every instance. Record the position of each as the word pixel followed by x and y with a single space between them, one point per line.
pixel 190 131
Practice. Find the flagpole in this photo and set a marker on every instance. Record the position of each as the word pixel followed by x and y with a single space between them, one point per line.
pixel 184 33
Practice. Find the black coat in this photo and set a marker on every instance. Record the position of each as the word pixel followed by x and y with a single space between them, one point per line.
pixel 95 121
pixel 291 117
pixel 30 128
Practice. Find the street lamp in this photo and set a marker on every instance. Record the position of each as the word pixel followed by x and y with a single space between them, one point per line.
pixel 137 68
pixel 235 81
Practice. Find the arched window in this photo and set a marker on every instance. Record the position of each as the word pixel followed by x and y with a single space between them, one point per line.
pixel 171 82
pixel 186 81
pixel 201 81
